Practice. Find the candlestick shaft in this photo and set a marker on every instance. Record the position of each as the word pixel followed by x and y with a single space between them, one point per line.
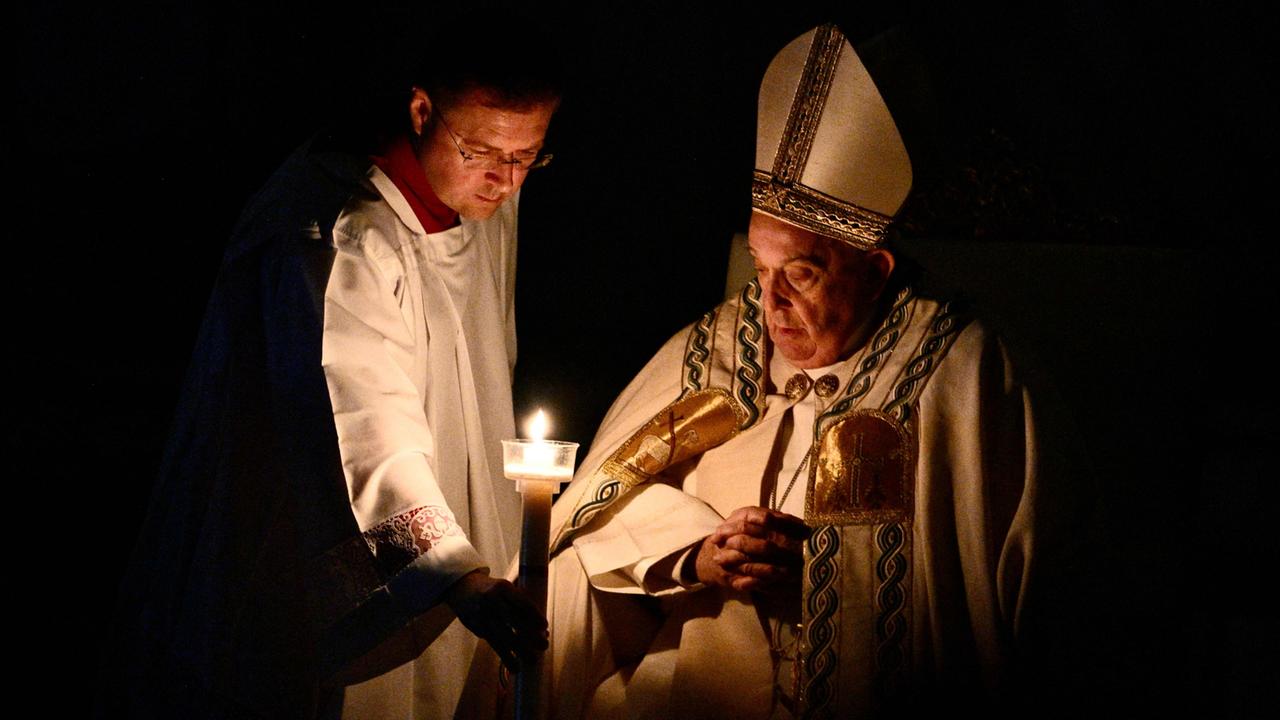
pixel 535 535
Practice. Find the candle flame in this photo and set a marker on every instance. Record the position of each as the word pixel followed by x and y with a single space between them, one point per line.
pixel 536 428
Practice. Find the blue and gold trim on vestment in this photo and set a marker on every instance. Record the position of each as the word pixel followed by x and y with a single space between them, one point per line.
pixel 821 636
pixel 750 335
pixel 942 331
pixel 880 348
pixel 892 626
pixel 697 354
pixel 861 491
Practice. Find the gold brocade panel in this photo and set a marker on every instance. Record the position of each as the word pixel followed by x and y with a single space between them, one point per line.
pixel 857 583
pixel 684 429
pixel 865 472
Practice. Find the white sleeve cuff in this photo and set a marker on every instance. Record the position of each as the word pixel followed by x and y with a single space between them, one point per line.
pixel 621 545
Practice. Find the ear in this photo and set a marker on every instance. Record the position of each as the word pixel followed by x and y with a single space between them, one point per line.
pixel 879 267
pixel 419 110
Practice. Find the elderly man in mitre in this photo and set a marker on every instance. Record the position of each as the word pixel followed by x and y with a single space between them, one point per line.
pixel 816 500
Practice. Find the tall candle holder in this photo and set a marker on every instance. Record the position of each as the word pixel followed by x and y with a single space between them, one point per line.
pixel 539 467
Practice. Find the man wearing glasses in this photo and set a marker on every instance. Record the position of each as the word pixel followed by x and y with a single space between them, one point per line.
pixel 332 495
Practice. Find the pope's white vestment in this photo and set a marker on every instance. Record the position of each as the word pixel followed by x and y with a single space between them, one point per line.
pixel 923 494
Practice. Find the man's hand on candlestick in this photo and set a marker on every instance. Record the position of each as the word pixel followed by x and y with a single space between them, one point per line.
pixel 754 549
pixel 496 611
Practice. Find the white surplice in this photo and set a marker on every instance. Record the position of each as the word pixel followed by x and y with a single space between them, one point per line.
pixel 419 348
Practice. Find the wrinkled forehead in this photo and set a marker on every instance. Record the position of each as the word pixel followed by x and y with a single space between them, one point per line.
pixel 778 239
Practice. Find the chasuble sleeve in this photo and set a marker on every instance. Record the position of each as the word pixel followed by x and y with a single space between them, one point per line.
pixel 979 468
pixel 634 546
pixel 385 441
pixel 624 547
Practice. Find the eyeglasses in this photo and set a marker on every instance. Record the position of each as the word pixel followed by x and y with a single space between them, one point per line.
pixel 492 161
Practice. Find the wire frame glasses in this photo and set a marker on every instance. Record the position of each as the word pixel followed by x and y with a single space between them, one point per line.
pixel 493 161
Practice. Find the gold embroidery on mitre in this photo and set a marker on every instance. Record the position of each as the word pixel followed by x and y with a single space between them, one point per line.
pixel 818 212
pixel 864 474
pixel 687 427
pixel 806 109
pixel 772 197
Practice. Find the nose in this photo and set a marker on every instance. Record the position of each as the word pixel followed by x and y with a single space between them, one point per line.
pixel 504 178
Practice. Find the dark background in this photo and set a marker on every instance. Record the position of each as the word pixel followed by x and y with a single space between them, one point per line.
pixel 1100 177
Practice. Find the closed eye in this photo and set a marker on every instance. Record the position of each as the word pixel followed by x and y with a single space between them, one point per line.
pixel 801 276
pixel 490 152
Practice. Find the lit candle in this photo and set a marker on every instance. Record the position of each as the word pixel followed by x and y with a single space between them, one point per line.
pixel 539 466
pixel 536 428
pixel 536 460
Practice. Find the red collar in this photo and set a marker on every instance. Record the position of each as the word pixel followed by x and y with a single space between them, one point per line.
pixel 400 163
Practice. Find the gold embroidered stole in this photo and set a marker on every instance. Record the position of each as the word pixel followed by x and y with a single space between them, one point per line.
pixel 856 615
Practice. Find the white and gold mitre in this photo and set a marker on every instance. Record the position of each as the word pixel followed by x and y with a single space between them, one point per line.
pixel 828 155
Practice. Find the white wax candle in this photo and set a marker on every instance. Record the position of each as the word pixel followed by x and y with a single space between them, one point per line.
pixel 539 454
pixel 537 471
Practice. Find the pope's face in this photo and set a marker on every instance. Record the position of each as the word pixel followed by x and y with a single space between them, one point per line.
pixel 480 128
pixel 819 293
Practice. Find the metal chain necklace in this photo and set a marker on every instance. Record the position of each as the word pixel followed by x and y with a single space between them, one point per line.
pixel 776 504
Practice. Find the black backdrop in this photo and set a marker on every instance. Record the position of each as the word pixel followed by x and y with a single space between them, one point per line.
pixel 140 131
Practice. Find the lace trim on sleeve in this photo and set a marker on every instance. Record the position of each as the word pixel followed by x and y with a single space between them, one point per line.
pixel 400 539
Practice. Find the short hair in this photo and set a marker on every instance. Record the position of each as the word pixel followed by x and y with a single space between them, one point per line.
pixel 496 48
